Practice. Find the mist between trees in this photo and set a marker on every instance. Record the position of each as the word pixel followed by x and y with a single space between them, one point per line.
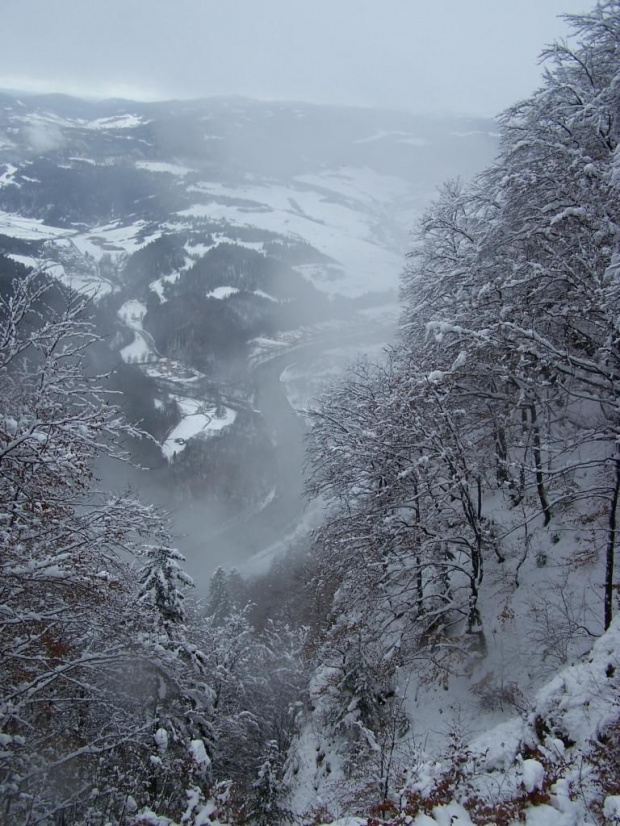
pixel 471 483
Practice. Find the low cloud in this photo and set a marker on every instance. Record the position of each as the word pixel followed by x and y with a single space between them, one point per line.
pixel 43 138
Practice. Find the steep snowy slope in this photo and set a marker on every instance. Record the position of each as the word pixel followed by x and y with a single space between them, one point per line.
pixel 555 765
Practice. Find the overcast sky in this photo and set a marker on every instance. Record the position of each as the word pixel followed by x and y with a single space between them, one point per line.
pixel 469 56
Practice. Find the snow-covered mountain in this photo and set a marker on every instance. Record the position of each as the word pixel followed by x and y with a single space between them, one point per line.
pixel 112 176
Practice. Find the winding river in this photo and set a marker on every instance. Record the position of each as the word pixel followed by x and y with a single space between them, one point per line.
pixel 251 542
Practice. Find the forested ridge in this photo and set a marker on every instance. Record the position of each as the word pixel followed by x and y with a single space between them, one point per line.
pixel 447 649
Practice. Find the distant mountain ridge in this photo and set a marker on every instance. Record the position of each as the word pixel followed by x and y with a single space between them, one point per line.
pixel 307 173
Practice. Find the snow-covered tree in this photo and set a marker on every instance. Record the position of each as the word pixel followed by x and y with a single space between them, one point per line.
pixel 259 681
pixel 267 806
pixel 163 581
pixel 485 447
pixel 220 601
pixel 84 664
pixel 238 589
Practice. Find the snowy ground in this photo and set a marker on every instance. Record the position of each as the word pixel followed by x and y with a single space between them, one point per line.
pixel 6 177
pixel 356 217
pixel 544 767
pixel 83 276
pixel 172 371
pixel 518 758
pixel 127 121
pixel 111 238
pixel 197 420
pixel 226 292
pixel 161 166
pixel 359 219
pixel 114 239
pixel 29 229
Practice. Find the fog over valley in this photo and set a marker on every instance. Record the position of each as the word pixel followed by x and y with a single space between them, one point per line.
pixel 309 425
pixel 232 253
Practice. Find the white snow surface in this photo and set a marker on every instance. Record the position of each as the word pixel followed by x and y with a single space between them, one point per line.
pixel 226 292
pixel 611 808
pixel 158 286
pixel 199 754
pixel 533 774
pixel 26 260
pixel 6 177
pixel 563 727
pixel 172 371
pixel 132 312
pixel 198 420
pixel 114 239
pixel 343 213
pixel 127 121
pixel 222 292
pixel 360 183
pixel 163 167
pixel 29 229
pixel 161 739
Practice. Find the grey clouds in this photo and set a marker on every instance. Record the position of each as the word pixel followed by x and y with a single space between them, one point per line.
pixel 468 56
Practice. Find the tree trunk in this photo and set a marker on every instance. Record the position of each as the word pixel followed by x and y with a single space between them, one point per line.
pixel 536 450
pixel 611 543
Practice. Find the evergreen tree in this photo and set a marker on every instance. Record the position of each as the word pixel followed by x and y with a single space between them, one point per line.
pixel 220 603
pixel 238 590
pixel 267 805
pixel 161 580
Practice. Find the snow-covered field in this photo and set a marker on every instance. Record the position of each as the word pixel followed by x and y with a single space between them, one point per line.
pixel 114 239
pixel 537 766
pixel 198 420
pixel 360 184
pixel 172 371
pixel 577 705
pixel 127 121
pixel 225 292
pixel 29 229
pixel 162 166
pixel 222 292
pixel 354 216
pixel 6 177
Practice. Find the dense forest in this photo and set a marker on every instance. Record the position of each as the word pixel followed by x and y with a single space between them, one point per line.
pixel 466 564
